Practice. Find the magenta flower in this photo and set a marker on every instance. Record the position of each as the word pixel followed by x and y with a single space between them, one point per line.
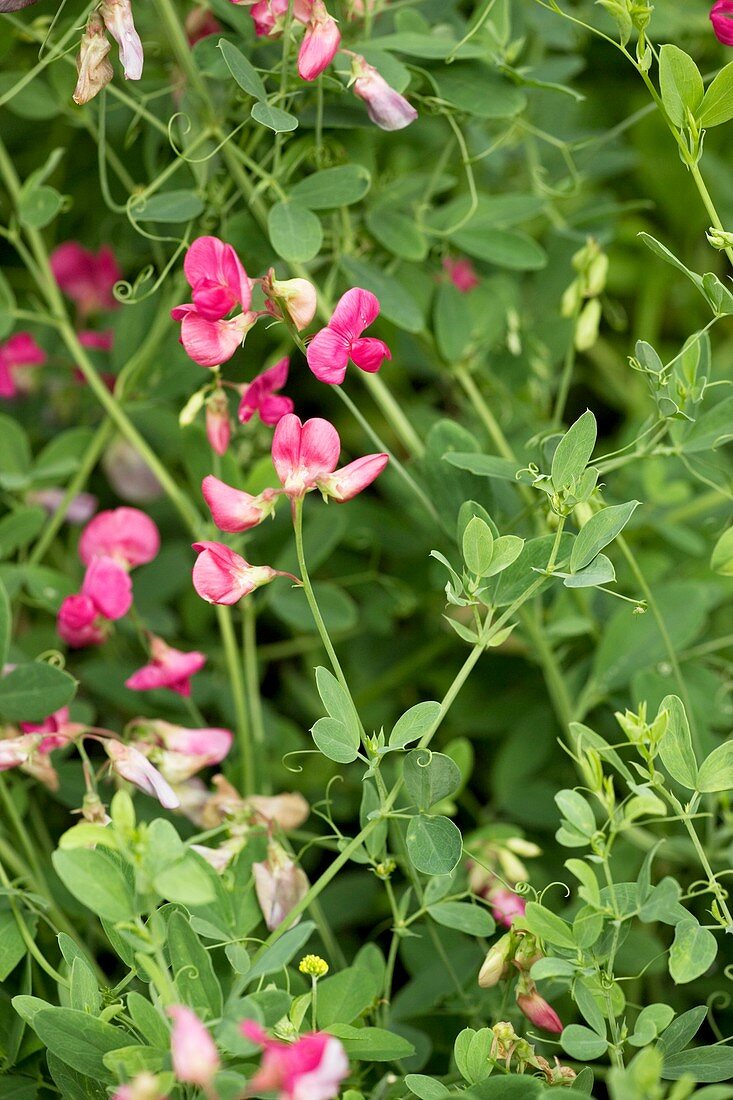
pixel 461 273
pixel 320 43
pixel 305 457
pixel 79 622
pixel 193 1051
pixel 234 510
pixel 310 1069
pixel 17 353
pixel 117 16
pixel 57 730
pixel 96 341
pixel 260 396
pixel 130 764
pixel 506 905
pixel 109 587
pixel 721 16
pixel 125 534
pixel 330 349
pixel 268 16
pixel 219 284
pixel 386 108
pixel 220 576
pixel 86 278
pixel 168 668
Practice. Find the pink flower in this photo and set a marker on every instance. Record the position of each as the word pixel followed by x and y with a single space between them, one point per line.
pixel 506 905
pixel 193 1051
pixel 168 668
pixel 109 587
pixel 310 1069
pixel 297 297
pixel 721 16
pixel 268 16
pixel 279 884
pixel 178 752
pixel 218 424
pixel 18 352
pixel 143 1087
pixel 461 273
pixel 305 458
pixel 200 23
pixel 79 623
pixel 219 283
pixel 15 751
pixel 130 764
pixel 117 16
pixel 320 43
pixel 57 730
pixel 538 1011
pixel 81 507
pixel 85 278
pixel 386 108
pixel 234 510
pixel 330 349
pixel 96 341
pixel 125 534
pixel 223 577
pixel 260 395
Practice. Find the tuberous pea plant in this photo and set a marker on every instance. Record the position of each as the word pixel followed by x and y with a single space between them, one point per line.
pixel 366 550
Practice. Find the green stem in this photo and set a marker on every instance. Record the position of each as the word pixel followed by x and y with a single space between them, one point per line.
pixel 713 883
pixel 567 372
pixel 236 677
pixel 26 934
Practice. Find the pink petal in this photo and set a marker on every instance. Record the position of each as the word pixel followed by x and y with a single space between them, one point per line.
pixel 126 534
pixel 260 388
pixel 129 763
pixel 211 343
pixel 109 587
pixel 22 350
pixel 345 483
pixel 8 388
pixel 231 509
pixel 273 408
pixel 328 356
pixel 302 453
pixel 320 44
pixel 78 622
pixel 210 259
pixel 212 300
pixel 355 311
pixel 369 353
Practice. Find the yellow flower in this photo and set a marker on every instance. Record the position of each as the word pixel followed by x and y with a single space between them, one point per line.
pixel 313 965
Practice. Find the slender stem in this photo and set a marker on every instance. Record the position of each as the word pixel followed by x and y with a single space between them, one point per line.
pixel 26 934
pixel 236 677
pixel 567 372
pixel 713 883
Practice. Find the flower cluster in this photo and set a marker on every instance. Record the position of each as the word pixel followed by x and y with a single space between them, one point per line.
pixel 518 951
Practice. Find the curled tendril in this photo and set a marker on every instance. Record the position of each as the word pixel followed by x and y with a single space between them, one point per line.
pixel 728 971
pixel 562 885
pixel 425 759
pixel 54 658
pixel 719 1000
pixel 128 294
pixel 524 890
pixel 296 752
pixel 606 980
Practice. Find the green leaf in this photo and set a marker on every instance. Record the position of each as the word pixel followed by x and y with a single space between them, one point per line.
pixel 7 306
pixel 15 454
pixel 573 452
pixel 577 811
pixel 464 916
pixel 717 104
pixel 600 571
pixel 273 118
pixel 372 1044
pixel 453 322
pixel 171 206
pixel 651 1021
pixel 484 465
pixel 79 1040
pixel 96 881
pixel 12 944
pixel 675 748
pixel 682 1031
pixel 601 529
pixel 548 926
pixel 38 206
pixel 503 247
pixel 335 740
pixel 426 1088
pixel 434 844
pixel 472 1053
pixel 477 546
pixel 396 302
pixel 337 701
pixel 277 956
pixel 30 692
pixel 475 88
pixel 582 1043
pixel 295 232
pixel 397 232
pixel 721 559
pixel 716 770
pixel 507 549
pixel 193 972
pixel 346 995
pixel 242 70
pixel 332 187
pixel 713 428
pixel 6 620
pixel 185 881
pixel 83 989
pixel 414 723
pixel 20 527
pixel 680 84
pixel 705 1064
pixel 429 777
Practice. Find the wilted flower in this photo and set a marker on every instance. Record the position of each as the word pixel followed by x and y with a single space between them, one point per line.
pixel 234 510
pixel 92 64
pixel 117 16
pixel 330 349
pixel 15 751
pixel 143 1087
pixel 721 16
pixel 305 458
pixel 168 668
pixel 86 278
pixel 386 108
pixel 80 509
pixel 17 353
pixel 296 297
pixel 261 397
pixel 312 1068
pixel 286 811
pixel 279 884
pixel 193 1051
pixel 506 905
pixel 220 576
pixel 130 764
pixel 320 43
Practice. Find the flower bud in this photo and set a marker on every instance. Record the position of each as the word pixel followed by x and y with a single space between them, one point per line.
pixel 313 965
pixel 193 1051
pixel 586 329
pixel 536 1008
pixel 279 884
pixel 320 43
pixel 506 905
pixel 218 424
pixel 720 238
pixel 92 64
pixel 386 108
pixel 296 297
pixel 496 964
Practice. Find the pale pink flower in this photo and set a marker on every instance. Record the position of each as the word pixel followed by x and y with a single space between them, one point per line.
pixel 125 534
pixel 130 477
pixel 17 353
pixel 320 43
pixel 96 341
pixel 296 297
pixel 461 273
pixel 234 510
pixel 219 284
pixel 193 1051
pixel 218 424
pixel 200 23
pixel 496 964
pixel 279 884
pixel 330 349
pixel 86 278
pixel 130 764
pixel 312 1068
pixel 208 745
pixel 168 668
pixel 305 457
pixel 538 1011
pixel 386 108
pixel 81 507
pixel 117 16
pixel 721 16
pixel 506 905
pixel 260 396
pixel 223 577
pixel 287 811
pixel 218 858
pixel 108 586
pixel 143 1087
pixel 79 622
pixel 16 751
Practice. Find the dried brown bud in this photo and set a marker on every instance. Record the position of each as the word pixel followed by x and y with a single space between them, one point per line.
pixel 92 64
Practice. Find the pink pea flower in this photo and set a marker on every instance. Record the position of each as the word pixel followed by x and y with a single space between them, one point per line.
pixel 279 884
pixel 200 23
pixel 79 623
pixel 143 1087
pixel 117 16
pixel 330 349
pixel 260 395
pixel 234 510
pixel 178 752
pixel 218 424
pixel 269 16
pixel 223 577
pixel 57 730
pixel 109 587
pixel 386 108
pixel 305 457
pixel 130 764
pixel 86 278
pixel 17 353
pixel 461 273
pixel 16 751
pixel 296 297
pixel 538 1011
pixel 506 905
pixel 312 1068
pixel 320 43
pixel 81 507
pixel 125 534
pixel 219 284
pixel 168 668
pixel 96 341
pixel 721 16
pixel 193 1051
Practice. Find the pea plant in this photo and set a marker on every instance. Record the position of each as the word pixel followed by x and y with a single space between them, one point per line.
pixel 366 550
